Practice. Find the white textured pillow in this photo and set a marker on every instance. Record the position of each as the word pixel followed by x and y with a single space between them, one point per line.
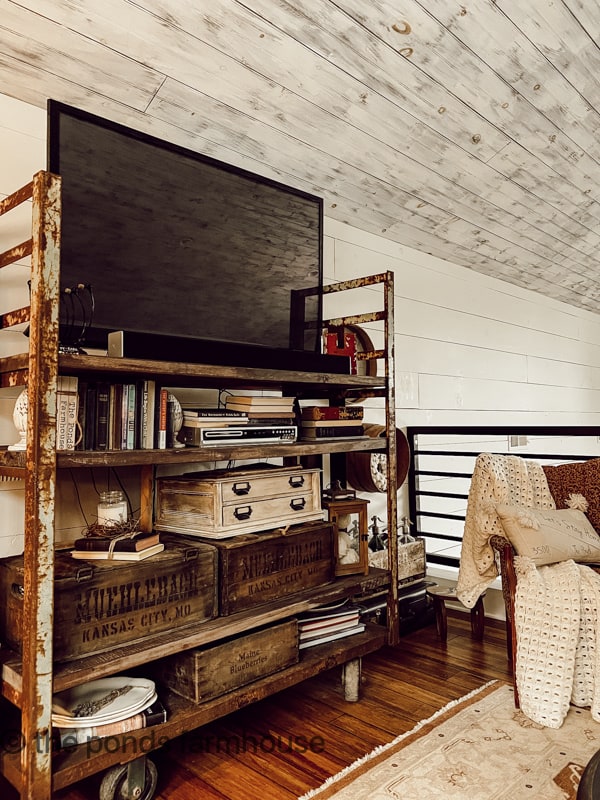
pixel 547 536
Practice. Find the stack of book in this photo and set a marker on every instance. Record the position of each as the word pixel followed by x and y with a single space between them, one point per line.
pixel 196 421
pixel 125 547
pixel 327 623
pixel 329 422
pixel 202 418
pixel 264 409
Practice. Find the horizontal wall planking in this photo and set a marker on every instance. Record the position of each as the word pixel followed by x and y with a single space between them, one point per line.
pixel 436 356
pixel 439 392
pixel 561 373
pixel 464 327
pixel 29 155
pixel 493 417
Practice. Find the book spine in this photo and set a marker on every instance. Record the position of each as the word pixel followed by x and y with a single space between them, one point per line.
pixel 102 400
pixel 149 416
pixel 61 414
pixel 317 413
pixel 111 416
pixel 89 434
pixel 94 543
pixel 212 412
pixel 328 432
pixel 332 423
pixel 124 414
pixel 72 406
pixel 161 441
pixel 131 416
pixel 82 389
pixel 171 406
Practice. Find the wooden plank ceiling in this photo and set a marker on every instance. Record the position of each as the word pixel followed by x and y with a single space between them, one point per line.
pixel 466 130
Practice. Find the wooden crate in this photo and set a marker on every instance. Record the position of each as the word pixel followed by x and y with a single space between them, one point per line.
pixel 224 503
pixel 411 561
pixel 207 672
pixel 259 568
pixel 101 605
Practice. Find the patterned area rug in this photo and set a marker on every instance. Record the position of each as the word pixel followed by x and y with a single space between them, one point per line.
pixel 479 747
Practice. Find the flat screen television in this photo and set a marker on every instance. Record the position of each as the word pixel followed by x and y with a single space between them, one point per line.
pixel 174 243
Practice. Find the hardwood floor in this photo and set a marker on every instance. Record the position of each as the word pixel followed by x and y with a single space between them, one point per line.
pixel 289 743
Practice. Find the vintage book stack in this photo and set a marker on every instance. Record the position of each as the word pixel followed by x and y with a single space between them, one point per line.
pixel 134 546
pixel 327 623
pixel 329 422
pixel 264 409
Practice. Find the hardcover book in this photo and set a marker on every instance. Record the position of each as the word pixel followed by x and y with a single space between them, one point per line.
pixel 325 423
pixel 118 555
pixel 330 431
pixel 258 400
pixel 254 411
pixel 102 405
pixel 123 544
pixel 332 636
pixel 213 413
pixel 332 412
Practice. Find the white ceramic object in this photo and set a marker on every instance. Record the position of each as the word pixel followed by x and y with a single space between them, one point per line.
pixel 20 421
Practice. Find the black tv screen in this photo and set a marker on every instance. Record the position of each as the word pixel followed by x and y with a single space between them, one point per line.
pixel 177 243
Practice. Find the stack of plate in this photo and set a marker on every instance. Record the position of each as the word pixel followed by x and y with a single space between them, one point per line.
pixel 102 701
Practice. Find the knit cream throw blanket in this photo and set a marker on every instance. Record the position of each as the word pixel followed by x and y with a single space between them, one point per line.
pixel 556 607
pixel 496 479
pixel 558 653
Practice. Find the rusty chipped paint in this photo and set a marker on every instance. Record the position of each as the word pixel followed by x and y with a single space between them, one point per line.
pixel 355 283
pixel 16 198
pixel 355 319
pixel 16 317
pixel 16 253
pixel 40 488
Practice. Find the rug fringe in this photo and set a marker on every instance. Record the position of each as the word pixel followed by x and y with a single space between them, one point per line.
pixel 383 747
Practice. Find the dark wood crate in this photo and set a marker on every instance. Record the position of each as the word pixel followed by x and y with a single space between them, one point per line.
pixel 207 672
pixel 262 567
pixel 100 605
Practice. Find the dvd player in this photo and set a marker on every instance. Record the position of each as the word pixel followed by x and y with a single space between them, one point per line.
pixel 246 434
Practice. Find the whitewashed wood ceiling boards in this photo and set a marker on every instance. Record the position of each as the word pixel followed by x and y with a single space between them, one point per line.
pixel 468 130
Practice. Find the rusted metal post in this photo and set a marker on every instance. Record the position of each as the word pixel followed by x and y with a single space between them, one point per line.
pixel 393 626
pixel 40 485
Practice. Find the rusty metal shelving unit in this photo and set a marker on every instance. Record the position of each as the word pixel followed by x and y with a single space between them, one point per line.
pixel 28 682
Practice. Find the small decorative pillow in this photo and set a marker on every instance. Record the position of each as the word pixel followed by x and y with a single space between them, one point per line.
pixel 547 536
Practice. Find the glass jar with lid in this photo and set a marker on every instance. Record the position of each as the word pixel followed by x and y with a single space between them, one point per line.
pixel 112 508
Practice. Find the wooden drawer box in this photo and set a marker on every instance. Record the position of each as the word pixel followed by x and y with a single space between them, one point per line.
pixel 100 605
pixel 208 672
pixel 259 568
pixel 225 503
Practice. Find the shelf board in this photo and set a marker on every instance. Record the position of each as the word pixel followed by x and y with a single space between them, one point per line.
pixel 207 375
pixel 14 462
pixel 127 657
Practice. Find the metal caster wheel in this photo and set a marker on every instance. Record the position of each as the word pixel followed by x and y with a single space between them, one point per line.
pixel 115 786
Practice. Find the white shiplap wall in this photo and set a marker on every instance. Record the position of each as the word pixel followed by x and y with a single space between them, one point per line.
pixel 469 349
